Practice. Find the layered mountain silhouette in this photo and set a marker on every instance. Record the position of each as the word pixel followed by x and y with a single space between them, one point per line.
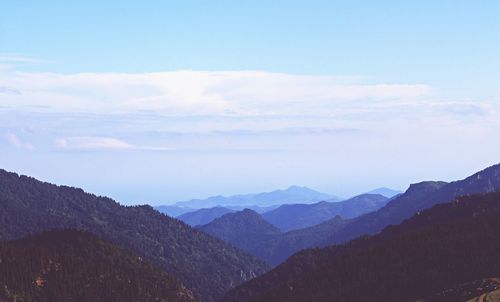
pixel 389 193
pixel 206 265
pixel 173 211
pixel 250 232
pixel 71 265
pixel 203 216
pixel 436 249
pixel 418 197
pixel 299 216
pixel 431 243
pixel 293 194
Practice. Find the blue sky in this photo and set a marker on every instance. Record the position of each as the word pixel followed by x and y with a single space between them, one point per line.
pixel 160 101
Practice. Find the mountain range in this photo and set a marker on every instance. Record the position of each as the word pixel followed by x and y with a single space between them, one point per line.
pixel 294 216
pixel 439 248
pixel 277 247
pixel 293 194
pixel 434 242
pixel 206 265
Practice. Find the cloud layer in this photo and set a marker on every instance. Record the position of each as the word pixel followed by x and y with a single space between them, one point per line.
pixel 199 92
pixel 152 134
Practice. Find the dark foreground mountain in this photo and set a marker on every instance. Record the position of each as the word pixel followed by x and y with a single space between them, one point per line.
pixel 417 198
pixel 71 265
pixel 206 265
pixel 203 216
pixel 298 216
pixel 293 194
pixel 248 231
pixel 436 249
pixel 484 290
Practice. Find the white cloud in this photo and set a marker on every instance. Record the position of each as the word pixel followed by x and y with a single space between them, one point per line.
pixel 202 92
pixel 13 140
pixel 100 143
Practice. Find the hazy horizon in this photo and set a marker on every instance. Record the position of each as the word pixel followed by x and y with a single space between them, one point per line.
pixel 178 100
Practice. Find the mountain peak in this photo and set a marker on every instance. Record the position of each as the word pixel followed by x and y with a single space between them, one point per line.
pixel 297 188
pixel 384 191
pixel 231 224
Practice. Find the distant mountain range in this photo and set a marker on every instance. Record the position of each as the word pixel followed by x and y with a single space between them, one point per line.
pixel 298 216
pixel 293 216
pixel 276 248
pixel 293 194
pixel 259 202
pixel 71 265
pixel 206 265
pixel 213 212
pixel 437 249
pixel 389 193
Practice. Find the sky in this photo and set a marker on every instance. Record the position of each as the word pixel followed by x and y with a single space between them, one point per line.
pixel 161 101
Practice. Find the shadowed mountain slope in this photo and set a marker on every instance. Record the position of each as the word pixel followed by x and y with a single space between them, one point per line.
pixel 206 265
pixel 439 248
pixel 71 265
pixel 243 229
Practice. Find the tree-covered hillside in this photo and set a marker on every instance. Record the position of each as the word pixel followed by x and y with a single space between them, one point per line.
pixel 203 263
pixel 71 265
pixel 439 248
